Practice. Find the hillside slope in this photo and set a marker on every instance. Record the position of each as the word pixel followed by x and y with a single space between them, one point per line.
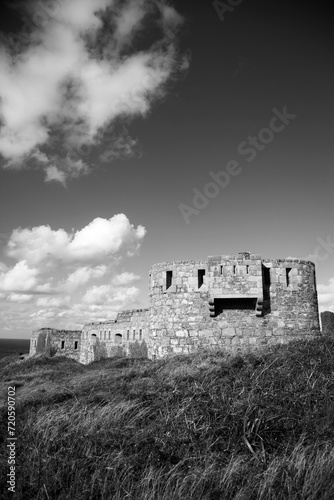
pixel 202 427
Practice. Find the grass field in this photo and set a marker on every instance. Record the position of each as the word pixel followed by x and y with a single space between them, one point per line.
pixel 204 427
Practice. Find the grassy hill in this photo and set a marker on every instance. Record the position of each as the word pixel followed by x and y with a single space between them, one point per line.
pixel 204 427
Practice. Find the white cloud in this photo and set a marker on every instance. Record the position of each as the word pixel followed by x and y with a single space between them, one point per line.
pixel 108 295
pixel 52 173
pixel 125 279
pixel 19 278
pixel 82 276
pixel 65 279
pixel 75 75
pixel 19 298
pixel 53 302
pixel 326 296
pixel 99 241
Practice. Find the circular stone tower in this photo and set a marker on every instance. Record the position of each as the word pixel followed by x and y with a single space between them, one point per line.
pixel 232 301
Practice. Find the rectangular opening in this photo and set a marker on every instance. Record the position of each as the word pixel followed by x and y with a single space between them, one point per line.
pixel 247 269
pixel 169 278
pixel 234 269
pixel 140 335
pixel 266 276
pixel 75 345
pixel 288 271
pixel 242 303
pixel 221 269
pixel 128 335
pixel 62 346
pixel 134 335
pixel 200 277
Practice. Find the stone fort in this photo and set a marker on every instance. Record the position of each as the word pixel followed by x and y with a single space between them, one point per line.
pixel 235 302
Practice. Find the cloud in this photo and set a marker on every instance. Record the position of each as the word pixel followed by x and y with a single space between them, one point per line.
pixel 99 241
pixel 52 173
pixel 107 295
pixel 125 279
pixel 326 296
pixel 66 279
pixel 82 276
pixel 74 71
pixel 19 278
pixel 19 298
pixel 53 302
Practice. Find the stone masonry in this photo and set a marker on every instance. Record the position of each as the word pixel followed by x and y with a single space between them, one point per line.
pixel 61 342
pixel 235 302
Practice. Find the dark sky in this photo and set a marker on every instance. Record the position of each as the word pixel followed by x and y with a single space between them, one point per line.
pixel 264 57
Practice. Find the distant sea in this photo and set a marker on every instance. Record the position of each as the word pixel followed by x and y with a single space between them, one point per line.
pixel 13 346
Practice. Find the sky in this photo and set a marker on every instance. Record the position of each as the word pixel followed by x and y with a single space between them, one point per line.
pixel 141 131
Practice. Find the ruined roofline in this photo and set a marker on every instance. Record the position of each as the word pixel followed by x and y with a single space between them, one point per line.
pixel 297 261
pixel 236 257
pixel 120 314
pixel 56 330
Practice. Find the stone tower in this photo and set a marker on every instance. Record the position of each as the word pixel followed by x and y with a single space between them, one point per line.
pixel 231 301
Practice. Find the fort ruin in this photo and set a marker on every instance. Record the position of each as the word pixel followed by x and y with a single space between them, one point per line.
pixel 235 302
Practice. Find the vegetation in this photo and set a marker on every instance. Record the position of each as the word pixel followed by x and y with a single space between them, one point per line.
pixel 204 427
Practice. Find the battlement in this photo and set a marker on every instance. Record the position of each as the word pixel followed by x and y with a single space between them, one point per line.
pixel 236 302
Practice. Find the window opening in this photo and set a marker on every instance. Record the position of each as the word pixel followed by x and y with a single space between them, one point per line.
pixel 169 278
pixel 242 303
pixel 200 277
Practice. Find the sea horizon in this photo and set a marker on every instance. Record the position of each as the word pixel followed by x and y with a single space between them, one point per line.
pixel 10 346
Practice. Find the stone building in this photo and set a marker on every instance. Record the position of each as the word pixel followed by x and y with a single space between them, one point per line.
pixel 107 338
pixel 51 341
pixel 236 302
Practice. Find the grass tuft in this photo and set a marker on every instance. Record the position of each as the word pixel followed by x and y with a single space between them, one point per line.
pixel 208 426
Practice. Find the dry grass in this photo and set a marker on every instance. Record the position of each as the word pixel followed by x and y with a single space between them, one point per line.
pixel 203 427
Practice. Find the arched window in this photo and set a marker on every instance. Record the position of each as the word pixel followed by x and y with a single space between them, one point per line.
pixel 118 338
pixel 109 334
pixel 93 339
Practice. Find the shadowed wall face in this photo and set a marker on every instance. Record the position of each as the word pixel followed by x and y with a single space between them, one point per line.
pixel 327 322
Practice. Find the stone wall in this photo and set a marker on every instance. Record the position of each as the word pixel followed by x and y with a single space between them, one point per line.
pixel 327 322
pixel 54 342
pixel 114 337
pixel 233 301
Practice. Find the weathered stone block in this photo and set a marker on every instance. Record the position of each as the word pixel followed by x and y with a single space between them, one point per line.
pixel 228 332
